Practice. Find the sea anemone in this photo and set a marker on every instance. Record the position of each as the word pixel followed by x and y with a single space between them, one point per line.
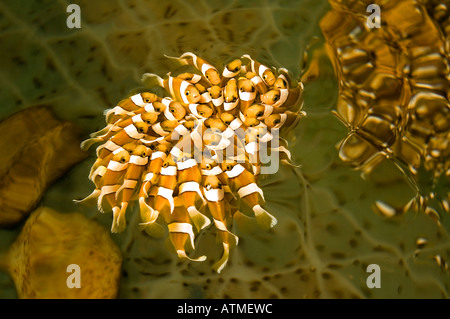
pixel 194 156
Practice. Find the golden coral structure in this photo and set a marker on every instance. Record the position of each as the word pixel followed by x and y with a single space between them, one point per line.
pixel 394 92
pixel 51 241
pixel 35 139
pixel 194 156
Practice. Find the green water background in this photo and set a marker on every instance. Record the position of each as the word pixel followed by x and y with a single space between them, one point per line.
pixel 324 207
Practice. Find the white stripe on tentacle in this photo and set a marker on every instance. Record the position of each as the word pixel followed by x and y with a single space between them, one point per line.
pixel 117 110
pixel 229 74
pixel 235 171
pixel 228 133
pixel 132 132
pixel 116 166
pixel 218 101
pixel 158 129
pixel 247 96
pixel 284 93
pixel 137 100
pixel 166 101
pixel 158 154
pixel 191 187
pixel 268 109
pixel 216 170
pixel 227 106
pixel 138 160
pixel 169 171
pixel 252 148
pixel 149 108
pixel 186 164
pixel 183 88
pixel 206 67
pixel 235 124
pixel 167 193
pixel 221 226
pixel 192 55
pixel 137 119
pixel 205 98
pixel 250 189
pixel 214 194
pixel 193 109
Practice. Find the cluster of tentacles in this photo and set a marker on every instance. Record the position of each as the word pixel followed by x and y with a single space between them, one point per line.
pixel 195 155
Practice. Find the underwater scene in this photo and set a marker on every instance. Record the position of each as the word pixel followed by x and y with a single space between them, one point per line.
pixel 286 149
